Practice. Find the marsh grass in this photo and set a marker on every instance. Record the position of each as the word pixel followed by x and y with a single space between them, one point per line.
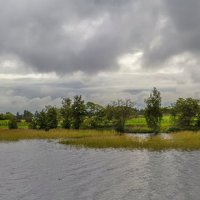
pixel 27 134
pixel 180 141
pixel 107 139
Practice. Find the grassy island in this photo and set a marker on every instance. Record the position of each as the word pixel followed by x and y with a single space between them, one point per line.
pixel 107 139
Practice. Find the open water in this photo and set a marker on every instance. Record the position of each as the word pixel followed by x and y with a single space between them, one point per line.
pixel 42 170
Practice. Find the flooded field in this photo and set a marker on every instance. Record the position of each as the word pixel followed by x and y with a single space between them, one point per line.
pixel 41 170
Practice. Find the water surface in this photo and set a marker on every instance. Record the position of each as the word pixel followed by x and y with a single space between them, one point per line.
pixel 41 170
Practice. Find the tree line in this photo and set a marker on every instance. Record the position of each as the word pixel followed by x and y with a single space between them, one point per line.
pixel 78 114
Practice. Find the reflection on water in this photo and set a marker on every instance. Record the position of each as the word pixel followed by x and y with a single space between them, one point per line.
pixel 40 170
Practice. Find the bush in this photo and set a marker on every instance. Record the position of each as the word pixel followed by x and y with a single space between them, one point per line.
pixel 12 124
pixel 173 129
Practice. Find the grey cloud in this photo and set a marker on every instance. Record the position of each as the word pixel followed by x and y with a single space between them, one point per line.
pixel 33 31
pixel 66 36
pixel 180 34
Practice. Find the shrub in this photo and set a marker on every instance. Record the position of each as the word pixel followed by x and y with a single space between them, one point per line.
pixel 12 124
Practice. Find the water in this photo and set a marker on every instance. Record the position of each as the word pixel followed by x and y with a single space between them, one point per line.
pixel 41 170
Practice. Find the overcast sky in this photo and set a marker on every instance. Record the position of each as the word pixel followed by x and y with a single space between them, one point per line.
pixel 101 49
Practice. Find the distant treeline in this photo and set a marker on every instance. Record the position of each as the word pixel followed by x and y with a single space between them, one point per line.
pixel 78 114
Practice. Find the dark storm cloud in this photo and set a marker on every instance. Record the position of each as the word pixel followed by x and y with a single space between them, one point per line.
pixel 66 36
pixel 180 34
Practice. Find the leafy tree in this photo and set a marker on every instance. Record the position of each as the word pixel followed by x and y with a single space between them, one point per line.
pixel 34 122
pixel 186 113
pixel 66 113
pixel 18 117
pixel 78 111
pixel 153 112
pixel 46 119
pixel 51 117
pixel 27 116
pixel 9 115
pixel 119 112
pixel 41 120
pixel 12 124
pixel 94 115
pixel 2 116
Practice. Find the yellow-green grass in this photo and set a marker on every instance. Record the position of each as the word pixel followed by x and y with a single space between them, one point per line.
pixel 179 141
pixel 28 134
pixel 107 139
pixel 22 124
pixel 139 124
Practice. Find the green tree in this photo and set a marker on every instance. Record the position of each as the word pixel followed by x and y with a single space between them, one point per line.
pixel 41 120
pixel 46 119
pixel 186 113
pixel 119 112
pixel 51 117
pixel 78 111
pixel 27 116
pixel 93 116
pixel 153 112
pixel 123 110
pixel 66 113
pixel 12 124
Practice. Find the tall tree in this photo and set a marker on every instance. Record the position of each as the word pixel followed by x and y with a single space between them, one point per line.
pixel 27 116
pixel 12 124
pixel 51 117
pixel 119 111
pixel 78 111
pixel 66 113
pixel 93 116
pixel 186 113
pixel 153 112
pixel 46 119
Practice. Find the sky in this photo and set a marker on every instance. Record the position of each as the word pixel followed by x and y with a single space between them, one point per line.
pixel 103 50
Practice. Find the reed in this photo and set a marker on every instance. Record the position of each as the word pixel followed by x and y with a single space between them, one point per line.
pixel 27 134
pixel 179 141
pixel 186 140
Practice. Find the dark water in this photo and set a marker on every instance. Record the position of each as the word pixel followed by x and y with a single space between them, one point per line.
pixel 41 170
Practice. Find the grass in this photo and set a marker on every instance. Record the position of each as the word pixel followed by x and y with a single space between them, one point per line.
pixel 107 139
pixel 179 141
pixel 139 125
pixel 28 134
pixel 4 123
pixel 22 124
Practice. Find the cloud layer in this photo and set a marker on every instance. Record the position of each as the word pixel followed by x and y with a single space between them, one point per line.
pixel 102 49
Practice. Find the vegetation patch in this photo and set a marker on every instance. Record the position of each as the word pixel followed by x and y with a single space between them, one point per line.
pixel 107 139
pixel 28 134
pixel 179 141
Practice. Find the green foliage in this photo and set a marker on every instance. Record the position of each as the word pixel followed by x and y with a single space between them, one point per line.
pixel 153 112
pixel 119 112
pixel 94 116
pixel 66 113
pixel 180 141
pixel 51 117
pixel 12 124
pixel 186 113
pixel 78 111
pixel 27 116
pixel 46 119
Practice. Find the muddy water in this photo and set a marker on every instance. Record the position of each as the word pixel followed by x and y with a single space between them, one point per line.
pixel 41 170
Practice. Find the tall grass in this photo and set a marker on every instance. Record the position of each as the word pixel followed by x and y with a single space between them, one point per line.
pixel 180 141
pixel 27 134
pixel 107 139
